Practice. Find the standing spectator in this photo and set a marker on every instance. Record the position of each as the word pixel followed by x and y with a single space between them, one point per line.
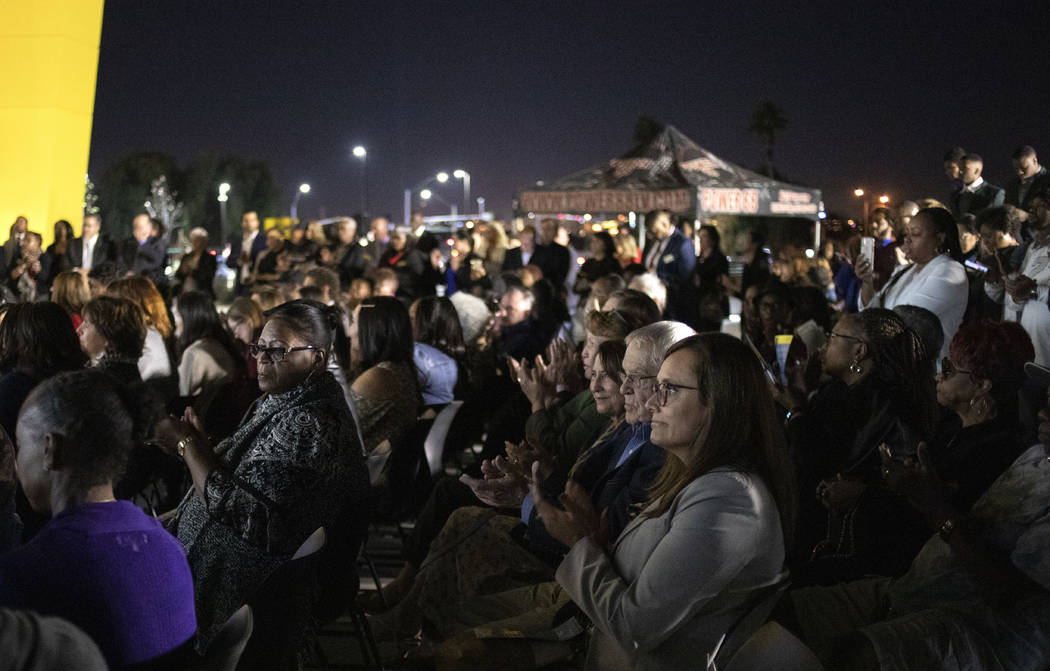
pixel 144 253
pixel 976 194
pixel 602 262
pixel 13 246
pixel 196 271
pixel 712 273
pixel 1024 296
pixel 57 253
pixel 1030 179
pixel 408 264
pixel 93 248
pixel 935 280
pixel 28 274
pixel 552 258
pixel 518 257
pixel 750 246
pixel 953 169
pixel 467 268
pixel 367 258
pixel 244 250
pixel 670 255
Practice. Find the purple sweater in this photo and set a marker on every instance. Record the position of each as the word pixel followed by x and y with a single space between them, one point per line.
pixel 111 570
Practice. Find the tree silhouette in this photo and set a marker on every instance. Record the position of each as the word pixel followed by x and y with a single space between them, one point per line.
pixel 766 122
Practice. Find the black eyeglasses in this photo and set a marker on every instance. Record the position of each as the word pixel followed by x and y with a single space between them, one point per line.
pixel 633 380
pixel 948 368
pixel 275 354
pixel 832 334
pixel 664 391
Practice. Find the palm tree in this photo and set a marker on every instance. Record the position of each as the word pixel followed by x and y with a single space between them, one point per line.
pixel 767 120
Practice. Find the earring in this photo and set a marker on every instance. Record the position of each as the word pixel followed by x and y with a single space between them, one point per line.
pixel 855 367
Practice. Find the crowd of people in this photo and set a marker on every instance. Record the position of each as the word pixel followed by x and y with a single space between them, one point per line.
pixel 641 481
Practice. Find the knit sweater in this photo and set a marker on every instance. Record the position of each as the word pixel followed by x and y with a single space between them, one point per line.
pixel 112 571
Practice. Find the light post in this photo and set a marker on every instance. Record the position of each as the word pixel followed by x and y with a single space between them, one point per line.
pixel 465 176
pixel 361 153
pixel 224 191
pixel 481 205
pixel 859 193
pixel 303 189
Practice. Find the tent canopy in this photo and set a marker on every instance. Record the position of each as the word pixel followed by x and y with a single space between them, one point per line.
pixel 671 172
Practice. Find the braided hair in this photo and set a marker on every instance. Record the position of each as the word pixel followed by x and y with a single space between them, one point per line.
pixel 901 367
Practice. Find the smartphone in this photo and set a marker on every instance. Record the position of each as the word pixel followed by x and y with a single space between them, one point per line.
pixel 812 335
pixel 975 265
pixel 867 249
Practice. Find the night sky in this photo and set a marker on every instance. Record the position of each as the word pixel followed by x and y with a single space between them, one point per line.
pixel 519 92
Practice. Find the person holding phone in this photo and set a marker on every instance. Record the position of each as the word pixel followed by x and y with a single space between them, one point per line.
pixel 935 279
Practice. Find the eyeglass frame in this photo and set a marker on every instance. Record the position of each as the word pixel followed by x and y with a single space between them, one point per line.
pixel 831 334
pixel 662 394
pixel 632 380
pixel 256 352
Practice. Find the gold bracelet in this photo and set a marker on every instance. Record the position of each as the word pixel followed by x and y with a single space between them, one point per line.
pixel 180 446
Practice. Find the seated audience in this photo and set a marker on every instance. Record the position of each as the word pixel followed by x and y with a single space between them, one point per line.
pixel 156 362
pixel 976 597
pixel 112 335
pixel 100 563
pixel 71 291
pixel 196 271
pixel 293 465
pixel 385 393
pixel 208 359
pixel 439 351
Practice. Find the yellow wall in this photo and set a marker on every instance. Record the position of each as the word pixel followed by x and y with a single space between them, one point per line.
pixel 49 59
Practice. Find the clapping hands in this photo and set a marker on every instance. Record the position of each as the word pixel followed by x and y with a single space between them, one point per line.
pixel 578 520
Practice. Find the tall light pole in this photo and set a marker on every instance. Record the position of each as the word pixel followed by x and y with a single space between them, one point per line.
pixel 224 191
pixel 303 189
pixel 859 193
pixel 361 153
pixel 465 176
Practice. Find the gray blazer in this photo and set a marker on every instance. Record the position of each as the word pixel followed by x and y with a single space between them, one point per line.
pixel 675 584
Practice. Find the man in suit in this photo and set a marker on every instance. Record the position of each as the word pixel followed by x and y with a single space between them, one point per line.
pixel 976 194
pixel 244 250
pixel 92 248
pixel 671 257
pixel 144 253
pixel 1031 179
pixel 517 258
pixel 552 258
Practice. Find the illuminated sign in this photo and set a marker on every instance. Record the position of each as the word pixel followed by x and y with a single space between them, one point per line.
pixel 731 201
pixel 606 200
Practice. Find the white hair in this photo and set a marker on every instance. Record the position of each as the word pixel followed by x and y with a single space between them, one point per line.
pixel 652 286
pixel 656 339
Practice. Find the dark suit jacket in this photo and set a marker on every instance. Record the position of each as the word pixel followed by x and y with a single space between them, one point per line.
pixel 105 251
pixel 987 195
pixel 675 268
pixel 553 260
pixel 234 259
pixel 145 259
pixel 1039 182
pixel 512 260
pixel 616 489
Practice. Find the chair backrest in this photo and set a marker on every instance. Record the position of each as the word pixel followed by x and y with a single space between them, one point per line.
pixel 228 645
pixel 774 647
pixel 313 544
pixel 434 445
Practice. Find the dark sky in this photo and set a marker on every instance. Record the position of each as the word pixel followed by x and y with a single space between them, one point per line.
pixel 516 92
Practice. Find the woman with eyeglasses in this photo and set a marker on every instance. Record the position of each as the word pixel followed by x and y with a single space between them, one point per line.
pixel 978 384
pixel 877 389
pixel 709 543
pixel 294 464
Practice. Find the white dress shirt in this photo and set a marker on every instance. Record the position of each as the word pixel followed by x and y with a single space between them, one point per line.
pixel 89 252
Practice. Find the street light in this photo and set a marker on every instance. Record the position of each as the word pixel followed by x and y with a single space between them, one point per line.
pixel 859 193
pixel 465 176
pixel 884 199
pixel 426 194
pixel 303 189
pixel 224 195
pixel 362 154
pixel 442 177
